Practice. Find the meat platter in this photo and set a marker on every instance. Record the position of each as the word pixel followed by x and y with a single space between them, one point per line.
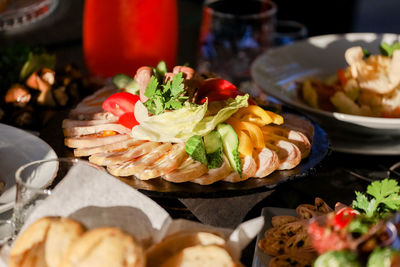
pixel 187 135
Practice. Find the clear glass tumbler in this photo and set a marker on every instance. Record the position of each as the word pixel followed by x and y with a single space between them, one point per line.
pixel 34 183
pixel 233 34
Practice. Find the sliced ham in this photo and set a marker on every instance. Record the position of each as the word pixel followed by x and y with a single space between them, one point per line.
pixel 115 157
pixel 289 154
pixel 102 115
pixel 213 175
pixel 166 164
pixel 118 146
pixel 249 168
pixel 295 137
pixel 267 162
pixel 295 122
pixel 137 165
pixel 92 104
pixel 68 123
pixel 86 130
pixel 94 141
pixel 189 170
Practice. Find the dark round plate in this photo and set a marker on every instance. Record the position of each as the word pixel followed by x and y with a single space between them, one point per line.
pixel 160 188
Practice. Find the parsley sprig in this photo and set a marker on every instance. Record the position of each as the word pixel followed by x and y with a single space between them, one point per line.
pixel 387 49
pixel 167 96
pixel 381 198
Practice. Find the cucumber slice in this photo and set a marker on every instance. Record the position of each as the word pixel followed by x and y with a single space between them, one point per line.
pixel 195 149
pixel 123 81
pixel 230 143
pixel 213 146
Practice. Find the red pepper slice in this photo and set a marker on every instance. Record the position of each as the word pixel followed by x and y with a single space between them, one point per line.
pixel 120 103
pixel 344 216
pixel 341 77
pixel 128 120
pixel 214 84
pixel 221 95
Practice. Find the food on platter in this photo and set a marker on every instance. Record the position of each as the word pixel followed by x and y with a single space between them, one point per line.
pixel 288 241
pixel 369 86
pixel 363 234
pixel 63 242
pixel 32 88
pixel 183 127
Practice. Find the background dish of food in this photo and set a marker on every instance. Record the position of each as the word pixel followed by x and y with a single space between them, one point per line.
pixel 277 70
pixel 261 259
pixel 18 147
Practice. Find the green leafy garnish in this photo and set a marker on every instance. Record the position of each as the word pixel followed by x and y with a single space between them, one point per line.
pixel 387 50
pixel 165 96
pixel 361 224
pixel 160 70
pixel 126 83
pixel 366 53
pixel 381 198
pixel 36 62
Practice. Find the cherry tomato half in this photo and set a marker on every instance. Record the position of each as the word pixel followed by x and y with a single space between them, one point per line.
pixel 128 120
pixel 344 216
pixel 214 84
pixel 120 103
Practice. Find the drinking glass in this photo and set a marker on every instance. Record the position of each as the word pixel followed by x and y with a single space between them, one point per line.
pixel 289 31
pixel 233 34
pixel 34 183
pixel 119 36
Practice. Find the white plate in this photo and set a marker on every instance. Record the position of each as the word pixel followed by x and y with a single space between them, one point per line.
pixel 276 70
pixel 18 147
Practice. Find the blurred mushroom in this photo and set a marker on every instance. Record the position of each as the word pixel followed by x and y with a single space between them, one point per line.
pixel 18 95
pixel 36 82
pixel 48 76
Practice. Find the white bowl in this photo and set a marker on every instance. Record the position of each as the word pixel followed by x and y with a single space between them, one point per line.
pixel 277 69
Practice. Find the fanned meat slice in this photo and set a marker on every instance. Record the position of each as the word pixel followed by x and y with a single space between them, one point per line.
pixel 249 168
pixel 101 115
pixel 213 175
pixel 92 104
pixel 289 154
pixel 166 164
pixel 135 151
pixel 88 141
pixel 295 137
pixel 118 146
pixel 188 170
pixel 86 130
pixel 267 162
pixel 137 165
pixel 68 123
pixel 300 124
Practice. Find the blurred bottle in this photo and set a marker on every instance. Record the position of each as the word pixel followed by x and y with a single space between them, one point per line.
pixel 120 36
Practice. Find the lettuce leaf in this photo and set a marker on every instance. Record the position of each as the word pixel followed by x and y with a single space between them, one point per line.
pixel 179 125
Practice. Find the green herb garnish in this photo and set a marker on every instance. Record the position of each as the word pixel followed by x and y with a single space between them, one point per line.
pixel 165 96
pixel 388 50
pixel 382 197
